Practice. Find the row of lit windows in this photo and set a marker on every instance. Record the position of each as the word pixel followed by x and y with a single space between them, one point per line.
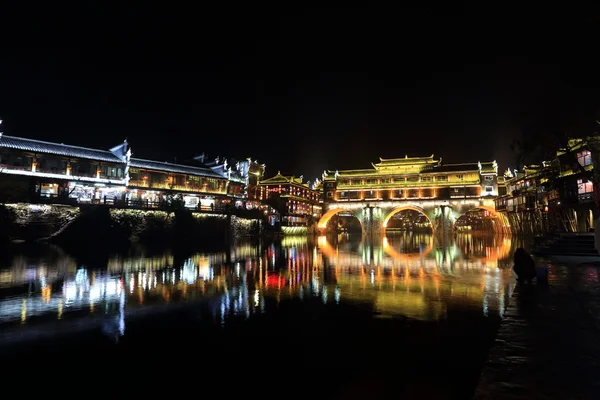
pixel 399 179
pixel 291 190
pixel 404 193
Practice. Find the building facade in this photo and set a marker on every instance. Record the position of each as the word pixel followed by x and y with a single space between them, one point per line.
pixel 411 178
pixel 63 171
pixel 528 200
pixel 73 174
pixel 296 202
pixel 556 196
pixel 244 177
pixel 155 183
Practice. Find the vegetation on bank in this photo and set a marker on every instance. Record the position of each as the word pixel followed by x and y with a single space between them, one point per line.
pixel 100 224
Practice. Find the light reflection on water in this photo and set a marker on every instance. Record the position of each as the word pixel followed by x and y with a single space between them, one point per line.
pixel 401 276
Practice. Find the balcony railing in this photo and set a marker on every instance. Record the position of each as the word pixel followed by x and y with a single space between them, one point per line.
pixel 585 197
pixel 127 203
pixel 14 167
pixel 182 188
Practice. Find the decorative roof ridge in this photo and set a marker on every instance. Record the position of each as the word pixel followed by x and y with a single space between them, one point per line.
pixel 458 164
pixel 54 143
pixel 166 163
pixel 351 170
pixel 289 179
pixel 406 157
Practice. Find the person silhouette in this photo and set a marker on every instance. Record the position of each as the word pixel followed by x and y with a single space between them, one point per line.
pixel 524 266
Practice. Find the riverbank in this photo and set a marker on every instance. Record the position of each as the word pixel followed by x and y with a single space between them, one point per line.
pixel 548 345
pixel 62 224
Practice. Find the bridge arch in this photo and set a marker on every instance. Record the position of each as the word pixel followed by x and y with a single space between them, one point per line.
pixel 322 224
pixel 502 225
pixel 404 208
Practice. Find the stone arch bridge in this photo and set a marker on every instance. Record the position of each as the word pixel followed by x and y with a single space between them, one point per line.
pixel 442 214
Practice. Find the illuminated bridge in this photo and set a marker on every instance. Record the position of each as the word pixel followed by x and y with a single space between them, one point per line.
pixel 441 193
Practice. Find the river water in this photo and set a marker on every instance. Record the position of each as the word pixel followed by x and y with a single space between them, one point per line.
pixel 409 315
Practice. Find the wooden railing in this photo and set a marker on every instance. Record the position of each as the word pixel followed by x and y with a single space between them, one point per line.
pixel 165 186
pixel 128 203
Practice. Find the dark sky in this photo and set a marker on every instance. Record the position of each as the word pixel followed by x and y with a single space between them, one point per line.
pixel 299 89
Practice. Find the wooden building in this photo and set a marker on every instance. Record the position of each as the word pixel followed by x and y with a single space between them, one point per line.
pixel 556 196
pixel 411 178
pixel 72 174
pixel 298 202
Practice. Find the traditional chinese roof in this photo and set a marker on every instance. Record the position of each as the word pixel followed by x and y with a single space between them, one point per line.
pixel 284 179
pixel 352 172
pixel 220 169
pixel 490 167
pixel 406 161
pixel 38 146
pixel 174 168
pixel 466 167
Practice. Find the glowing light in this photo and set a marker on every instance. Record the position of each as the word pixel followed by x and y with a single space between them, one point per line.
pixel 188 273
pixel 256 298
pixel 24 311
pixel 62 176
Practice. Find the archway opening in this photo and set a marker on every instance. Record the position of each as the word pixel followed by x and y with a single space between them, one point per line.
pixel 482 220
pixel 408 219
pixel 339 221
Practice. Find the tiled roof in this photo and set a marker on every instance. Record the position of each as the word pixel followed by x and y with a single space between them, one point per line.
pixel 455 168
pixel 357 172
pixel 175 168
pixel 284 179
pixel 406 160
pixel 38 146
pixel 490 166
pixel 278 179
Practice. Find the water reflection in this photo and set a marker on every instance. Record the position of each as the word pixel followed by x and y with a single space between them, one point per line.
pixel 414 276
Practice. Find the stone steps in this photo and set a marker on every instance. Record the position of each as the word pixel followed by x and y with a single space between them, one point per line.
pixel 569 244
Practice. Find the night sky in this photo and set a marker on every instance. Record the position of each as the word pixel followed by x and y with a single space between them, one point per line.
pixel 299 89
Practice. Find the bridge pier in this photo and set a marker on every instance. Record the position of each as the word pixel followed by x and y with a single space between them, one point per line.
pixel 372 221
pixel 443 220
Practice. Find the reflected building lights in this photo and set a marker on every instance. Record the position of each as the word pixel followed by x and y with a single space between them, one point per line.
pixel 416 277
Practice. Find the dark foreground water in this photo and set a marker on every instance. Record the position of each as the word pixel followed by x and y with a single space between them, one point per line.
pixel 409 316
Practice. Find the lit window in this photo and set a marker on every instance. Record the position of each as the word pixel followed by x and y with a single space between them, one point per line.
pixel 584 158
pixel 584 187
